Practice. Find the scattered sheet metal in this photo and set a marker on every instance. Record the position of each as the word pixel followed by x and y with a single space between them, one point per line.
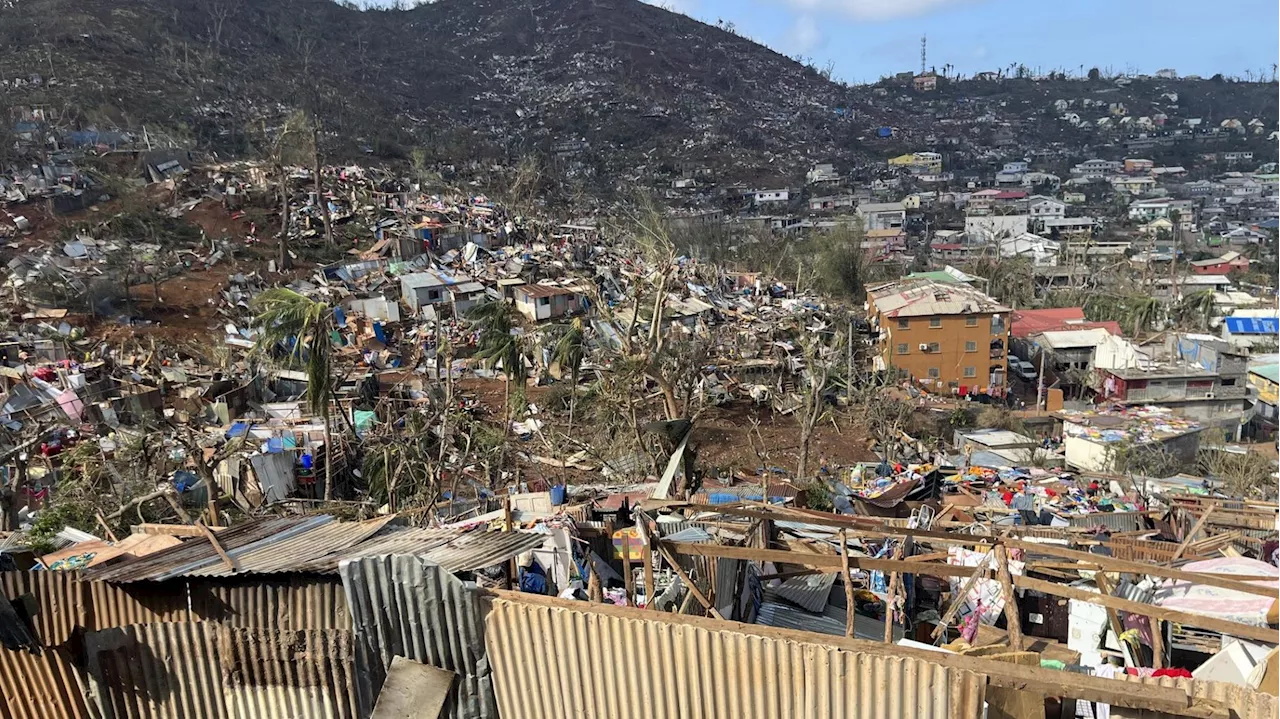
pixel 413 691
pixel 406 606
pixel 810 592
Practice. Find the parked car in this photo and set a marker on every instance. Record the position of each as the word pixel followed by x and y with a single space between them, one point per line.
pixel 1023 369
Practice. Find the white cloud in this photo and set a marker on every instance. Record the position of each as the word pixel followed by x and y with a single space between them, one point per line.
pixel 804 36
pixel 876 9
pixel 980 51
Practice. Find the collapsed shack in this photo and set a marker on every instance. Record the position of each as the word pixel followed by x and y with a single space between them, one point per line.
pixel 202 627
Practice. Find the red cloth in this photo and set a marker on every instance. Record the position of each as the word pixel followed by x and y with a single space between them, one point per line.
pixel 1179 673
pixel 1007 497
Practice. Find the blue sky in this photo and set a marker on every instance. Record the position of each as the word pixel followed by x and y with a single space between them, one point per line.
pixel 866 39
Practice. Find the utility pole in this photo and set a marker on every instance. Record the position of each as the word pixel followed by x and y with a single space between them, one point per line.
pixel 1040 394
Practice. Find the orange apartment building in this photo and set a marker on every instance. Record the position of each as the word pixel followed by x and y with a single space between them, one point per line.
pixel 950 337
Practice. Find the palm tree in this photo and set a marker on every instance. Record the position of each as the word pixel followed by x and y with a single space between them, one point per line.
pixel 496 321
pixel 569 351
pixel 1141 313
pixel 1197 309
pixel 303 325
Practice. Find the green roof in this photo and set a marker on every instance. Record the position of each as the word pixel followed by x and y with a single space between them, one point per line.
pixel 936 276
pixel 1267 371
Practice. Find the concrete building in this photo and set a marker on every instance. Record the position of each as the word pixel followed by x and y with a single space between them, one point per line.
pixel 951 338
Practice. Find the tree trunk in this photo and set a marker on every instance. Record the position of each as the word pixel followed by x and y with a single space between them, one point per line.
pixel 320 200
pixel 283 263
pixel 328 460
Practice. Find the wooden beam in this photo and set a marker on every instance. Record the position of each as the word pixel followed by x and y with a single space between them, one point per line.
pixel 1157 643
pixel 628 576
pixel 1235 629
pixel 892 597
pixel 1111 564
pixel 850 605
pixel 646 553
pixel 1012 620
pixel 1113 619
pixel 217 546
pixel 823 561
pixel 958 600
pixel 1186 541
pixel 693 588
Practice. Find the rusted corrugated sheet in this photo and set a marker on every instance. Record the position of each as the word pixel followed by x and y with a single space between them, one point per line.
pixel 120 605
pixel 296 602
pixel 298 674
pixel 1115 521
pixel 195 553
pixel 61 600
pixel 148 671
pixel 47 686
pixel 199 670
pixel 1241 702
pixel 454 550
pixel 555 661
pixel 405 606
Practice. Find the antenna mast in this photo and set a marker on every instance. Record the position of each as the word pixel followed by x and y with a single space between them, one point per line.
pixel 923 39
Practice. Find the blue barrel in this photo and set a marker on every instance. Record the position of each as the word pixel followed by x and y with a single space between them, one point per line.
pixel 557 495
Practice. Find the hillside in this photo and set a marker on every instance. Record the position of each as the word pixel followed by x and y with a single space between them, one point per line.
pixel 459 76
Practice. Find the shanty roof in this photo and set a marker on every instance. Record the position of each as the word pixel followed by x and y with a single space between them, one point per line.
pixel 1267 371
pixel 543 290
pixel 1071 339
pixel 924 297
pixel 316 544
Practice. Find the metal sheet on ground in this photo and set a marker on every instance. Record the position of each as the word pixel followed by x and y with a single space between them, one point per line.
pixel 413 690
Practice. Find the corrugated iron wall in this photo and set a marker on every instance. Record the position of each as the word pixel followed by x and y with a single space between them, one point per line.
pixel 61 602
pixel 1241 702
pixel 405 606
pixel 556 661
pixel 197 670
pixel 119 605
pixel 44 686
pixel 295 602
pixel 270 673
pixel 165 670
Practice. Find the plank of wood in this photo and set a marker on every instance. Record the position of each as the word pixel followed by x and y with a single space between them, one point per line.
pixel 628 576
pixel 958 600
pixel 850 605
pixel 824 561
pixel 1014 703
pixel 1186 541
pixel 217 546
pixel 646 553
pixel 693 588
pixel 1234 629
pixel 1111 564
pixel 1012 621
pixel 892 597
pixel 1157 643
pixel 1113 619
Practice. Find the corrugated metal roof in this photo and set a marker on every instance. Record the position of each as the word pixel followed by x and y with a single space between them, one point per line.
pixel 406 606
pixel 454 549
pixel 199 670
pixel 1253 325
pixel 193 553
pixel 552 661
pixel 809 592
pixel 1241 702
pixel 318 544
